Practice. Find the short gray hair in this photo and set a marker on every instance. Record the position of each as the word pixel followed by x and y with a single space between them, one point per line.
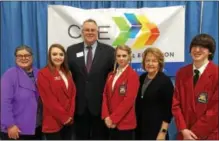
pixel 23 47
pixel 90 21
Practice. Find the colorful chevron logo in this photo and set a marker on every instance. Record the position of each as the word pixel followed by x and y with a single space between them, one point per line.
pixel 141 28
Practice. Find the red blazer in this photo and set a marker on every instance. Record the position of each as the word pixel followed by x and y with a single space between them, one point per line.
pixel 197 108
pixel 58 101
pixel 118 103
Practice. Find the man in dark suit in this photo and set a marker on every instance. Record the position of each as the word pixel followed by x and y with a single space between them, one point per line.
pixel 90 62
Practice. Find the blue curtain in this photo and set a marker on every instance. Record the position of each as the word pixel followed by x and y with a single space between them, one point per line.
pixel 26 23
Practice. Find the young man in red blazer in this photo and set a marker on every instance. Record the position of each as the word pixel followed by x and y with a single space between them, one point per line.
pixel 195 101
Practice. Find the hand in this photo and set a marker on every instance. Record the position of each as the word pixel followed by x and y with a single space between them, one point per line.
pixel 113 126
pixel 108 122
pixel 68 121
pixel 71 122
pixel 188 135
pixel 13 132
pixel 161 136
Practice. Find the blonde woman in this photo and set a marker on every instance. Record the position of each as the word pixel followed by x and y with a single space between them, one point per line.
pixel 119 96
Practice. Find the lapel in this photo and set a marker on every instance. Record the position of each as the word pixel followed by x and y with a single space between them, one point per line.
pixel 62 83
pixel 24 80
pixel 121 80
pixel 81 60
pixel 203 83
pixel 188 82
pixel 203 80
pixel 153 86
pixel 35 72
pixel 109 84
pixel 142 77
pixel 141 80
pixel 70 86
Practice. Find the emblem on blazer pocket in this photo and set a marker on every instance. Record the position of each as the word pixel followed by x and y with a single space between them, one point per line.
pixel 203 98
pixel 57 78
pixel 122 89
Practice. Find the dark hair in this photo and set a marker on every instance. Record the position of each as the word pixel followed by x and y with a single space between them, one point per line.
pixel 23 47
pixel 64 65
pixel 205 41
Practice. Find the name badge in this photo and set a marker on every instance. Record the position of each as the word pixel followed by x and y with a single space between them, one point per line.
pixel 80 54
pixel 203 98
pixel 122 89
pixel 57 78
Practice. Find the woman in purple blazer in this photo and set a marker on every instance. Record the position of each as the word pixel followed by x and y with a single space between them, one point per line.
pixel 20 103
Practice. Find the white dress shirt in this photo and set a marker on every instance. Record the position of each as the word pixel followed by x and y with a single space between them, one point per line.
pixel 118 73
pixel 64 78
pixel 201 69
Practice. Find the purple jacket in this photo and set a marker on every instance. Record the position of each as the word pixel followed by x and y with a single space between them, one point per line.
pixel 18 101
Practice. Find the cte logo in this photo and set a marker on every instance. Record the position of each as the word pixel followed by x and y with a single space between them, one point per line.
pixel 138 28
pixel 147 32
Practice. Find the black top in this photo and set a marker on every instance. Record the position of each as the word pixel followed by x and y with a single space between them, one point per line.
pixel 144 86
pixel 39 104
pixel 154 107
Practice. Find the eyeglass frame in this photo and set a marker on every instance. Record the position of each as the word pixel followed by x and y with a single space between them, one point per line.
pixel 25 56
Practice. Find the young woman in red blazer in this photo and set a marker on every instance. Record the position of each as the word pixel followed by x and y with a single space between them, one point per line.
pixel 57 91
pixel 119 96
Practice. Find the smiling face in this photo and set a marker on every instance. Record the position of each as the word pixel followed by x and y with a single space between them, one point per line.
pixel 199 54
pixel 151 63
pixel 90 32
pixel 24 59
pixel 57 57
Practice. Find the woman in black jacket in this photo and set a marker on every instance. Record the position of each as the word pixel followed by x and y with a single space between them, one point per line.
pixel 154 100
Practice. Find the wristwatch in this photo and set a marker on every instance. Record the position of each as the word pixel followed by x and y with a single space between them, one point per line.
pixel 163 130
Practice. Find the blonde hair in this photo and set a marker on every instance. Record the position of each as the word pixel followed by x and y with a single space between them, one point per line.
pixel 157 53
pixel 124 48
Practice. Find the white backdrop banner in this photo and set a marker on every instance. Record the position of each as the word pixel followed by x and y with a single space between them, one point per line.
pixel 163 28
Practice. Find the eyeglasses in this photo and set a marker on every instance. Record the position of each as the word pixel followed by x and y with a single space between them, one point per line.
pixel 25 56
pixel 89 30
pixel 152 61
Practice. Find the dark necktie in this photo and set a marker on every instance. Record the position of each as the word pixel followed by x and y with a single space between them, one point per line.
pixel 89 58
pixel 195 77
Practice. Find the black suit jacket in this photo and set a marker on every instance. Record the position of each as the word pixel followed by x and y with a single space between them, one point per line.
pixel 89 87
pixel 154 107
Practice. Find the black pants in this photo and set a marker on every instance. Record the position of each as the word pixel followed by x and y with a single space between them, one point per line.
pixel 90 127
pixel 116 134
pixel 147 135
pixel 64 134
pixel 38 135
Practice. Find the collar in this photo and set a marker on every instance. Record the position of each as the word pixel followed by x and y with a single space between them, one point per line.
pixel 93 46
pixel 202 68
pixel 118 71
